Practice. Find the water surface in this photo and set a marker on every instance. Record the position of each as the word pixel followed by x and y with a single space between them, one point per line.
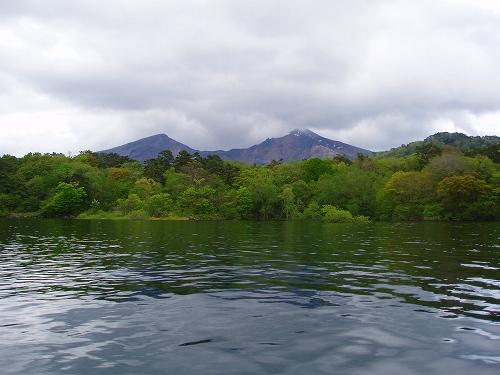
pixel 194 297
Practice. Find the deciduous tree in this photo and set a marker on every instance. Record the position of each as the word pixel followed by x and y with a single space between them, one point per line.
pixel 68 201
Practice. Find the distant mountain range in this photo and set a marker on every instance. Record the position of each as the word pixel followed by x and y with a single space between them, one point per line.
pixel 297 145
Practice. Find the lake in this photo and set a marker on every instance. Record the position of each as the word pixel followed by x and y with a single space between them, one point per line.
pixel 243 297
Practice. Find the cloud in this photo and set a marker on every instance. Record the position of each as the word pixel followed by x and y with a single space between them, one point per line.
pixel 224 74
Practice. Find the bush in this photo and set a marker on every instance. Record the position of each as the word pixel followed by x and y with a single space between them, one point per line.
pixel 332 214
pixel 313 211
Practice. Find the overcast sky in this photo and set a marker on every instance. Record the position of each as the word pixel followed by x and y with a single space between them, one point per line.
pixel 79 75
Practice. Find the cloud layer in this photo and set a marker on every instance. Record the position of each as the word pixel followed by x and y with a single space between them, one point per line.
pixel 223 74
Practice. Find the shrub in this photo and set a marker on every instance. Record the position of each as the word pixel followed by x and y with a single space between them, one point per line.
pixel 332 214
pixel 313 211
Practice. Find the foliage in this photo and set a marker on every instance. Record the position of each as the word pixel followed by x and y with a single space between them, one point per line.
pixel 407 194
pixel 464 197
pixel 334 214
pixel 492 152
pixel 245 203
pixel 289 206
pixel 449 163
pixel 68 201
pixel 435 182
pixel 426 152
pixel 198 201
pixel 313 211
pixel 313 168
pixel 353 189
pixel 440 140
pixel 160 205
pixel 156 168
pixel 261 184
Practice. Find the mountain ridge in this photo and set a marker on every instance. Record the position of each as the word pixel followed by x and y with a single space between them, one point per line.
pixel 296 145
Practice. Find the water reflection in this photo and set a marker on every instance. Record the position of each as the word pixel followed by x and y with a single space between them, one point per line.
pixel 448 266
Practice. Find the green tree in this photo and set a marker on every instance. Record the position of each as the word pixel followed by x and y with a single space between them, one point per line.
pixel 289 210
pixel 352 189
pixel 213 164
pixel 367 164
pixel 286 173
pixel 407 194
pixel 146 187
pixel 68 201
pixel 156 168
pixel 464 197
pixel 482 167
pixel 340 158
pixel 133 203
pixel 9 166
pixel 182 159
pixel 313 211
pixel 245 203
pixel 11 186
pixel 450 163
pixel 426 152
pixel 108 160
pixel 198 201
pixel 160 205
pixel 492 152
pixel 314 168
pixel 303 192
pixel 260 181
pixel 176 183
pixel 38 177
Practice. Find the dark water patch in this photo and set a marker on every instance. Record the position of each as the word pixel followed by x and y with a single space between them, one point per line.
pixel 191 343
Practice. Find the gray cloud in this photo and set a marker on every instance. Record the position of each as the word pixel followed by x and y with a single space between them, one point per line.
pixel 223 74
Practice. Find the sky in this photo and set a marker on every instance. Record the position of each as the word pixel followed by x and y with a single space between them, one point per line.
pixel 90 75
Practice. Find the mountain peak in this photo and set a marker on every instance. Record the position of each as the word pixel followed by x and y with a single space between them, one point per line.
pixel 149 147
pixel 303 132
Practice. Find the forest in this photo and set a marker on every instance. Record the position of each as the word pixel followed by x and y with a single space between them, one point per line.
pixel 433 183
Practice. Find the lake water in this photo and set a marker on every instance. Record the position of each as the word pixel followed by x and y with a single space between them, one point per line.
pixel 196 297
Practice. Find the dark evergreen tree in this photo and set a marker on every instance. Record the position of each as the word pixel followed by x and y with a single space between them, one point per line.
pixel 156 168
pixel 182 159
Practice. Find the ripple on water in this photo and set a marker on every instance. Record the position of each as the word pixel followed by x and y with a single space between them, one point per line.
pixel 263 298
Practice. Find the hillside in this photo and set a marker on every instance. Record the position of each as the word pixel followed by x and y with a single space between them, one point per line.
pixel 442 139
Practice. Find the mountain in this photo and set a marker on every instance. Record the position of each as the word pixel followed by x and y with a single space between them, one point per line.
pixel 297 145
pixel 442 139
pixel 148 148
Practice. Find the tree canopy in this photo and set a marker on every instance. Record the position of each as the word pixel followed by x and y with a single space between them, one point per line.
pixel 433 183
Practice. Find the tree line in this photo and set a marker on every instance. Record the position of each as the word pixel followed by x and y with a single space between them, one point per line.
pixel 434 183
